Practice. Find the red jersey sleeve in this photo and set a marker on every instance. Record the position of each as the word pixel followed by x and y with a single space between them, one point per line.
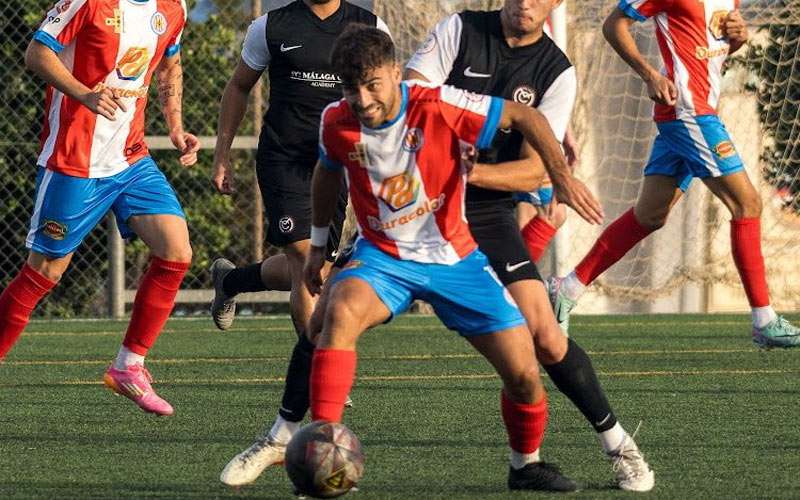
pixel 175 42
pixel 63 22
pixel 330 142
pixel 473 117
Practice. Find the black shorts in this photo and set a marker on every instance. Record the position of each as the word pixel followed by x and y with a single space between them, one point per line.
pixel 286 191
pixel 495 229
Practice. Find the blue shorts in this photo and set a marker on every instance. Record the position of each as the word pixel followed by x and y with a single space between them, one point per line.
pixel 467 296
pixel 693 147
pixel 66 208
pixel 538 198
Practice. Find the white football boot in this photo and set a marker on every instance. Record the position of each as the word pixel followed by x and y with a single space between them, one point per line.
pixel 245 467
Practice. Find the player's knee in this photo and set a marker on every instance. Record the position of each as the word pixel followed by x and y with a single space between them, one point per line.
pixel 295 255
pixel 749 207
pixel 652 220
pixel 178 253
pixel 551 345
pixel 523 385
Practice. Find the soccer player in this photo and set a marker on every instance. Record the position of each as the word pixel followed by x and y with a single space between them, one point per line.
pixel 400 145
pixel 695 38
pixel 98 57
pixel 506 53
pixel 292 43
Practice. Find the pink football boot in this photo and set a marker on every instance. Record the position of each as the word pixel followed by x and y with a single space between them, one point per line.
pixel 134 384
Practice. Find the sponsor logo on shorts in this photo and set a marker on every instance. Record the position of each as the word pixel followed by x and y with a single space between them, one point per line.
pixel 399 192
pixel 430 206
pixel 133 63
pixel 54 229
pixel 158 23
pixel 524 95
pixel 725 149
pixel 413 140
pixel 716 24
pixel 286 224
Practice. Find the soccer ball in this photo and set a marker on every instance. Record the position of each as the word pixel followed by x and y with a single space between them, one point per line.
pixel 324 460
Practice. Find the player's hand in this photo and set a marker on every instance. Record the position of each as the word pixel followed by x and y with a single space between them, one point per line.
pixel 221 178
pixel 576 195
pixel 188 145
pixel 662 90
pixel 103 101
pixel 572 150
pixel 469 158
pixel 735 28
pixel 312 271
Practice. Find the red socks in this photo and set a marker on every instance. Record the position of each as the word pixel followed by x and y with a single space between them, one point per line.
pixel 537 234
pixel 619 237
pixel 525 423
pixel 17 303
pixel 746 248
pixel 153 304
pixel 332 374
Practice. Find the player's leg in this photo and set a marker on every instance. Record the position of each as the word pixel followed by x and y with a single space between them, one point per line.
pixel 739 195
pixel 229 281
pixel 469 298
pixel 658 195
pixel 149 208
pixel 538 222
pixel 65 210
pixel 566 363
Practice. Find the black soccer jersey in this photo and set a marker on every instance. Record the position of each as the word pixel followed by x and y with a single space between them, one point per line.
pixel 468 50
pixel 295 44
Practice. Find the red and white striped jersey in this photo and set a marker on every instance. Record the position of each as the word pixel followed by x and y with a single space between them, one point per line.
pixel 116 43
pixel 693 46
pixel 405 178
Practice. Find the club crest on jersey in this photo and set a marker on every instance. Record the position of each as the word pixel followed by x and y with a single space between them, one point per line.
pixel 158 23
pixel 54 229
pixel 133 64
pixel 116 21
pixel 413 140
pixel 725 149
pixel 399 191
pixel 524 95
pixel 359 155
pixel 716 24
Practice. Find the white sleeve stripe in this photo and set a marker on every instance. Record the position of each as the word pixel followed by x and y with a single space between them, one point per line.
pixel 462 99
pixel 62 18
pixel 382 26
pixel 255 52
pixel 557 102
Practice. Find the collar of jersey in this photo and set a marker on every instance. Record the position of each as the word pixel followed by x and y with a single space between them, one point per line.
pixel 403 106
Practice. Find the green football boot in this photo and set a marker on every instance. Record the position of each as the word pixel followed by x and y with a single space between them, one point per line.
pixel 778 333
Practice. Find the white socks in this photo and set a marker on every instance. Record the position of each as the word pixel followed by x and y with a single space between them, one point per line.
pixel 520 460
pixel 126 357
pixel 613 438
pixel 283 430
pixel 572 287
pixel 762 316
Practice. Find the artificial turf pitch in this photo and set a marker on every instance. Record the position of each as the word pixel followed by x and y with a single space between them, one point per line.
pixel 720 419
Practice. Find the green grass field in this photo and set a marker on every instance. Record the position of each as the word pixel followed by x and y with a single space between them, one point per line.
pixel 719 418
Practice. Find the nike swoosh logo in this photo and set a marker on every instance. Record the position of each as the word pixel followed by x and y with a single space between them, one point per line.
pixel 597 424
pixel 287 49
pixel 334 254
pixel 468 72
pixel 511 268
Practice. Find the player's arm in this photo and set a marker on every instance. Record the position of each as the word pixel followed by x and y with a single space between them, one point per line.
pixel 44 62
pixel 736 31
pixel 324 196
pixel 169 74
pixel 617 31
pixel 536 130
pixel 232 110
pixel 524 174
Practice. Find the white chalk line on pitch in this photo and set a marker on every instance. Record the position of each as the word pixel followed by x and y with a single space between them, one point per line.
pixel 407 328
pixel 397 357
pixel 418 378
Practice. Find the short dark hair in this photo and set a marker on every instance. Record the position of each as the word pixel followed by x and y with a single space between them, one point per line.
pixel 360 49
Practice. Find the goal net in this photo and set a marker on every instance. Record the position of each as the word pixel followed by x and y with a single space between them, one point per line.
pixel 687 265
